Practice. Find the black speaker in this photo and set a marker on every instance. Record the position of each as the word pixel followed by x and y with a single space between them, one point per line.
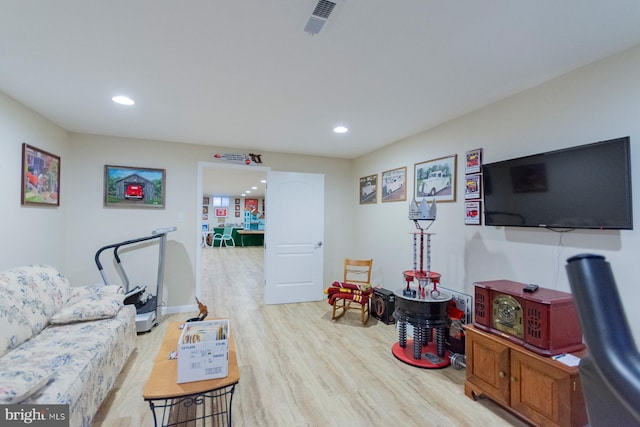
pixel 383 305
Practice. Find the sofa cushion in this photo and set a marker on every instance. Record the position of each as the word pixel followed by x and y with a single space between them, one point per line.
pixel 90 303
pixel 31 295
pixel 19 383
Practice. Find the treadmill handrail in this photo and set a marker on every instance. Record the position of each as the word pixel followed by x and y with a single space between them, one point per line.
pixel 115 247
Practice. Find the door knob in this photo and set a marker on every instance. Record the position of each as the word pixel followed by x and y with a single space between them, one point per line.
pixel 318 245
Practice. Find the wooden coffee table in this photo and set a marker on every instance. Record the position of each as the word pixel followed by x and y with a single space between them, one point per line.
pixel 193 403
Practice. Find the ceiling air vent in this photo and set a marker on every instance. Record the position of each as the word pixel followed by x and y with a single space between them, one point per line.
pixel 319 17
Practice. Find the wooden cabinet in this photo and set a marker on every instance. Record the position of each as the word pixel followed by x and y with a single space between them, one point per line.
pixel 539 389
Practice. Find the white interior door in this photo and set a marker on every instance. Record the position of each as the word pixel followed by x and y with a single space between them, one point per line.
pixel 294 255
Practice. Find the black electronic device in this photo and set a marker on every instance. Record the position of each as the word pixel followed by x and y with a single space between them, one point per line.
pixel 383 305
pixel 530 288
pixel 587 186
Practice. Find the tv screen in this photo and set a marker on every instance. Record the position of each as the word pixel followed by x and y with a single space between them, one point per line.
pixel 588 186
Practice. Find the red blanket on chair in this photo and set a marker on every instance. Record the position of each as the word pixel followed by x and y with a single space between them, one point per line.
pixel 348 291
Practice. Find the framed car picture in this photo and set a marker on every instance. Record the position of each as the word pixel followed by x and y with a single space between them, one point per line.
pixel 436 179
pixel 472 213
pixel 40 177
pixel 369 189
pixel 394 188
pixel 131 187
pixel 472 186
pixel 473 161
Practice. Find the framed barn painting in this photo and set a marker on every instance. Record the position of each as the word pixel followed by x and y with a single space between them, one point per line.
pixel 40 177
pixel 131 187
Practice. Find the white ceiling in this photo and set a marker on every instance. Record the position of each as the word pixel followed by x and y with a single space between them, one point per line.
pixel 234 182
pixel 244 74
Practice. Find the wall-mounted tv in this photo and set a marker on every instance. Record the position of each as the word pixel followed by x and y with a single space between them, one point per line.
pixel 588 186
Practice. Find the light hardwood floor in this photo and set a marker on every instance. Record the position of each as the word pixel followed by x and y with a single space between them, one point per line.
pixel 300 368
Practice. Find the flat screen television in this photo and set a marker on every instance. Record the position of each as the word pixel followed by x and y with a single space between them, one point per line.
pixel 588 186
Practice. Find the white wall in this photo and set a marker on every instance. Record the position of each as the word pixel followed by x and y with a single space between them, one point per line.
pixel 30 234
pixel 68 236
pixel 231 218
pixel 598 102
pixel 92 226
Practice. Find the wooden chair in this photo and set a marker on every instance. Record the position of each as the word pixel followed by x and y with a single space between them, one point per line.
pixel 354 292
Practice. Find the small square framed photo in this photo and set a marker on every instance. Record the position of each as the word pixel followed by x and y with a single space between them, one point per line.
pixel 473 161
pixel 472 212
pixel 472 186
pixel 369 189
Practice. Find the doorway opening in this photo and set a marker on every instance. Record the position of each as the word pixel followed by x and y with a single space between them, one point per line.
pixel 225 180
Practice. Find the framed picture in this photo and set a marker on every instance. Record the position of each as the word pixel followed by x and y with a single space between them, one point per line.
pixel 205 209
pixel 473 161
pixel 369 189
pixel 237 214
pixel 394 188
pixel 205 200
pixel 237 201
pixel 130 187
pixel 237 207
pixel 40 177
pixel 472 186
pixel 251 205
pixel 436 179
pixel 472 213
pixel 221 212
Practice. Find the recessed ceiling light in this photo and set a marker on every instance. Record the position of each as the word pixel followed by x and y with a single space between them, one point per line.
pixel 264 181
pixel 123 100
pixel 340 129
pixel 254 188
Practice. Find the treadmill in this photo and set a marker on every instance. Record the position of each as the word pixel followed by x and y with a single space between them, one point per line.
pixel 147 307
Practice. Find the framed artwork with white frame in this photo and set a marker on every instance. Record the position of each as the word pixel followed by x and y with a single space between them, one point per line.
pixel 472 186
pixel 473 161
pixel 472 212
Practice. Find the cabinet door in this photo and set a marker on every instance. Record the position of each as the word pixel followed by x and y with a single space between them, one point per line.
pixel 539 391
pixel 488 367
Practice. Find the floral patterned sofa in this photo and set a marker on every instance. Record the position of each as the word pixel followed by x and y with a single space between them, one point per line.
pixel 61 344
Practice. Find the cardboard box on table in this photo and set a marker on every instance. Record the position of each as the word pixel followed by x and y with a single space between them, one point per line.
pixel 203 350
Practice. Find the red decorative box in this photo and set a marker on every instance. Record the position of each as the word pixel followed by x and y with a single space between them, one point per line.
pixel 544 321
